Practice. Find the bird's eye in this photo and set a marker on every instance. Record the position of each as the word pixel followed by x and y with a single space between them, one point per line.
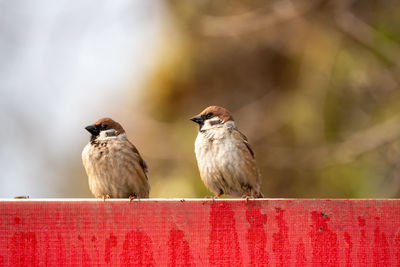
pixel 209 115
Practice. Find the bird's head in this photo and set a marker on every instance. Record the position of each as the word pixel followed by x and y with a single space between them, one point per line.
pixel 104 128
pixel 213 116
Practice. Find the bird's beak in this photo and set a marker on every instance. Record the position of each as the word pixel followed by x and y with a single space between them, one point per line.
pixel 93 130
pixel 197 119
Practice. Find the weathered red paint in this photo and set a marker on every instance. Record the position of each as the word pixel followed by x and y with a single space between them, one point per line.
pixel 179 249
pixel 348 249
pixel 200 233
pixel 280 243
pixel 257 237
pixel 362 248
pixel 301 259
pixel 324 241
pixel 223 237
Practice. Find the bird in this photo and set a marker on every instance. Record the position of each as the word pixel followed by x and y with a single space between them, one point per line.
pixel 113 165
pixel 225 159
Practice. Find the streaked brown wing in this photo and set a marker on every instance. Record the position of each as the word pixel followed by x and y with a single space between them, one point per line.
pixel 246 142
pixel 142 163
pixel 248 158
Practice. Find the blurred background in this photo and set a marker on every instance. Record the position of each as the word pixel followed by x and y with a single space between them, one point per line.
pixel 313 84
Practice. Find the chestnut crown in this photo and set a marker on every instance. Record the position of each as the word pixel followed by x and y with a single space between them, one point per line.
pixel 211 112
pixel 105 124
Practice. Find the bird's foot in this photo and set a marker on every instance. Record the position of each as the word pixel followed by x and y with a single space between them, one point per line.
pixel 213 198
pixel 247 197
pixel 104 197
pixel 132 197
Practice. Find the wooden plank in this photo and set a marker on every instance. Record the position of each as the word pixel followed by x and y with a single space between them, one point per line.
pixel 274 232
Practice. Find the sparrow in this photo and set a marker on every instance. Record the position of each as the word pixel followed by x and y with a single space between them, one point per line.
pixel 113 164
pixel 225 159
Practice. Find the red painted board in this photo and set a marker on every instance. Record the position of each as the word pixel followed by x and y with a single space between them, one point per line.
pixel 200 233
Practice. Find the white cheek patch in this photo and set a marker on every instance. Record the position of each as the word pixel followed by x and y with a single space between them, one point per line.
pixel 214 121
pixel 211 122
pixel 107 134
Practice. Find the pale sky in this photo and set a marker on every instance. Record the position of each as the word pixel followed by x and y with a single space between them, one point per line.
pixel 61 63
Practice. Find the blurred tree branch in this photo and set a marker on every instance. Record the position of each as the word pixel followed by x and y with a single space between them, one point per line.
pixel 312 83
pixel 358 144
pixel 253 21
pixel 365 35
